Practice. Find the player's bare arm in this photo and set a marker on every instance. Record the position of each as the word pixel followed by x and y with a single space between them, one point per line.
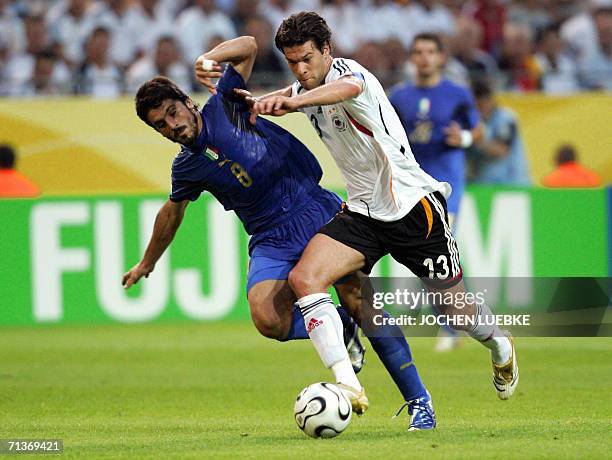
pixel 252 100
pixel 330 93
pixel 167 222
pixel 240 52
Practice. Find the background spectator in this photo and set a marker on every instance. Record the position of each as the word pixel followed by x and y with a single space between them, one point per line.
pixel 165 60
pixel 464 47
pixel 12 35
pixel 344 19
pixel 596 64
pixel 198 24
pixel 70 25
pixel 156 22
pixel 533 13
pixel 382 12
pixel 491 15
pixel 569 172
pixel 580 31
pixel 20 66
pixel 268 65
pixel 125 26
pixel 99 76
pixel 50 76
pixel 559 71
pixel 243 10
pixel 517 58
pixel 499 157
pixel 12 183
pixel 431 16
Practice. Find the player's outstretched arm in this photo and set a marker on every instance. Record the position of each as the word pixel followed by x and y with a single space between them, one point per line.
pixel 240 52
pixel 329 93
pixel 167 222
pixel 252 100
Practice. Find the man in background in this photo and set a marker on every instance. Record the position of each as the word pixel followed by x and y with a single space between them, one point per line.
pixel 499 158
pixel 569 172
pixel 12 183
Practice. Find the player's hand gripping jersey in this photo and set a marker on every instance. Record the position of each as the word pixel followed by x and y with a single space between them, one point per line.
pixel 370 147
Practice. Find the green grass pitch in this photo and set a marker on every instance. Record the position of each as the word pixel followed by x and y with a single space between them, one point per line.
pixel 223 391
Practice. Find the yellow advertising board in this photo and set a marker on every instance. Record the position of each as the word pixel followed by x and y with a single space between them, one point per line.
pixel 79 145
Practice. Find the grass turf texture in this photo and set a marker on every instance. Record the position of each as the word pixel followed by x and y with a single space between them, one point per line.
pixel 222 391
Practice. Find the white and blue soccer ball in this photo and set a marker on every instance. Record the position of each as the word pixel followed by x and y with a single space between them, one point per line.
pixel 322 410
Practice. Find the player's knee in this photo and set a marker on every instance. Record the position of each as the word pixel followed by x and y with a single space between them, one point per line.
pixel 266 322
pixel 303 282
pixel 268 327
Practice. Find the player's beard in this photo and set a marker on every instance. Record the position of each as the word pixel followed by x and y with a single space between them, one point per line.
pixel 190 134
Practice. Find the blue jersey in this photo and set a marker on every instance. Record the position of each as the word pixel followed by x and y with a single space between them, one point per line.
pixel 425 112
pixel 261 172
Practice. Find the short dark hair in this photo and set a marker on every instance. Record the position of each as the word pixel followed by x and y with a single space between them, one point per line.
pixel 153 92
pixel 301 27
pixel 566 154
pixel 430 37
pixel 7 156
pixel 481 88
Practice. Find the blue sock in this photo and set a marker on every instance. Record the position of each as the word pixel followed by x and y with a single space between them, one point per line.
pixel 297 331
pixel 392 348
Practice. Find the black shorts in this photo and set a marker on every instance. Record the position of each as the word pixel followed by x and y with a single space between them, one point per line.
pixel 421 240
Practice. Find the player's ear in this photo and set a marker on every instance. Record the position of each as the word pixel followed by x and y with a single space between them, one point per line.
pixel 190 104
pixel 326 50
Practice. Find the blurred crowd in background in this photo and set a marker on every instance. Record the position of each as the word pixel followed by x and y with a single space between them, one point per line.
pixel 105 48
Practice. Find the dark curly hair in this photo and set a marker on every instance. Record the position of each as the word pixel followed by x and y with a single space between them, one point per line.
pixel 153 92
pixel 301 27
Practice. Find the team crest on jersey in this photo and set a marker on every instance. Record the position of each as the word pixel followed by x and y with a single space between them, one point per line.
pixel 339 122
pixel 211 153
pixel 424 107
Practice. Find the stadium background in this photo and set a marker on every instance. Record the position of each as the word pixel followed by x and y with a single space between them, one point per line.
pixel 172 382
pixel 70 247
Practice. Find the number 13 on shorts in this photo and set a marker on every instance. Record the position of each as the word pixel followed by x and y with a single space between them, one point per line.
pixel 441 264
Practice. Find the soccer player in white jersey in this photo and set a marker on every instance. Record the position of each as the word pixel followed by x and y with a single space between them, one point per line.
pixel 393 206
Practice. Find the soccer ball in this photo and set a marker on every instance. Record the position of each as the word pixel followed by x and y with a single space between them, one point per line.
pixel 322 410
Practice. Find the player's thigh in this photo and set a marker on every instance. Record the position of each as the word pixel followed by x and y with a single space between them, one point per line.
pixel 324 261
pixel 423 242
pixel 347 243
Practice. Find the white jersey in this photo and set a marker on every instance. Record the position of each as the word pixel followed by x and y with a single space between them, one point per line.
pixel 367 140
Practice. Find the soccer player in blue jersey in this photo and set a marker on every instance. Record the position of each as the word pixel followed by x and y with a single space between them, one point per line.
pixel 271 181
pixel 441 120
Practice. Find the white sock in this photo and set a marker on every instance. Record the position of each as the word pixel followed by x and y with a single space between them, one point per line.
pixel 324 328
pixel 490 335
